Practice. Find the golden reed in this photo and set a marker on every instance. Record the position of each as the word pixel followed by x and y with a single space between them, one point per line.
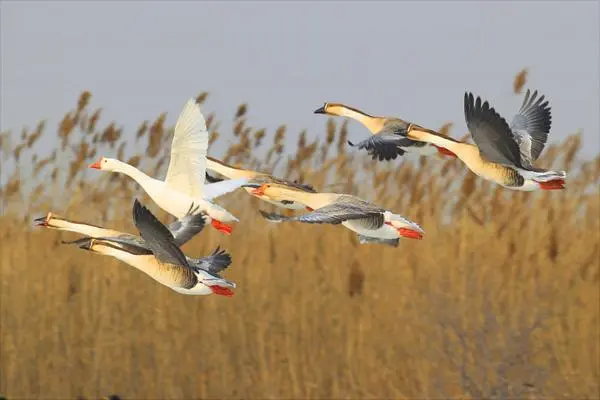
pixel 500 299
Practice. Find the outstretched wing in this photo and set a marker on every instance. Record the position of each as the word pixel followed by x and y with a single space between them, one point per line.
pixel 187 227
pixel 158 238
pixel 491 132
pixel 187 165
pixel 531 126
pixel 218 261
pixel 333 214
pixel 220 188
pixel 383 147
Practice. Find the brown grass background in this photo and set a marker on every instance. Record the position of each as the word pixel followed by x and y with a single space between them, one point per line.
pixel 500 299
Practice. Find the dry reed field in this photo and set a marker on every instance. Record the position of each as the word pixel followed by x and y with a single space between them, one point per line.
pixel 499 300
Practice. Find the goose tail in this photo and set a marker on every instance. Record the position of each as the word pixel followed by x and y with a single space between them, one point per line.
pixel 549 180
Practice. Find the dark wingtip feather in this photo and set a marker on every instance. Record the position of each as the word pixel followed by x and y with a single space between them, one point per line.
pixel 271 216
pixel 468 105
pixel 145 220
pixel 138 211
pixel 221 260
pixel 212 179
pixel 305 186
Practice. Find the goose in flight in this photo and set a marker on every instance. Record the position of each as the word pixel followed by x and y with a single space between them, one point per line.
pixel 160 257
pixel 388 140
pixel 373 224
pixel 184 182
pixel 182 229
pixel 503 153
pixel 231 172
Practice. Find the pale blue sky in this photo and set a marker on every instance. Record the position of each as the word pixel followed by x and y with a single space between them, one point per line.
pixel 413 60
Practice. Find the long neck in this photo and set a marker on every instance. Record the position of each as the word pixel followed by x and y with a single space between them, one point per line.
pixel 120 255
pixel 226 170
pixel 425 135
pixel 144 263
pixel 141 178
pixel 373 124
pixel 84 229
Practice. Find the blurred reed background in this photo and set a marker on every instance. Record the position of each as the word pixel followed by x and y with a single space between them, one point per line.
pixel 500 299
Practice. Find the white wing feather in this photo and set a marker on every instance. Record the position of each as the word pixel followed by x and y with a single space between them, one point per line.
pixel 218 189
pixel 187 165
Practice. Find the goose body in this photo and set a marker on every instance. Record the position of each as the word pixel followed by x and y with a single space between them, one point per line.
pixel 388 140
pixel 158 256
pixel 503 154
pixel 372 224
pixel 231 172
pixel 184 182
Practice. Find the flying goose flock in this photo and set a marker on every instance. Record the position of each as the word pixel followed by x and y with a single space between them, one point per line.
pixel 502 153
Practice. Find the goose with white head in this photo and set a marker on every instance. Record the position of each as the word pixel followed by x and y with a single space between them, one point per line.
pixel 184 182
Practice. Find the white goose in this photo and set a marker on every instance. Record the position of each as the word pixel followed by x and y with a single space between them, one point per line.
pixel 160 257
pixel 184 183
pixel 373 224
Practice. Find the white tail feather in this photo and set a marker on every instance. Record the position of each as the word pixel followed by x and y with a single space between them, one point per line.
pixel 544 176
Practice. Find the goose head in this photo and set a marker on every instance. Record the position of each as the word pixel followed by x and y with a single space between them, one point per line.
pixel 258 189
pixel 52 221
pixel 106 164
pixel 342 110
pixel 331 109
pixel 272 191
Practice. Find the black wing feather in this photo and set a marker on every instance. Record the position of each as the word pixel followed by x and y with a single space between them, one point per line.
pixel 491 132
pixel 532 124
pixel 218 261
pixel 187 227
pixel 383 147
pixel 212 179
pixel 157 236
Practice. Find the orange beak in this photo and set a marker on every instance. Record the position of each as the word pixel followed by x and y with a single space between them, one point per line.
pixel 259 191
pixel 96 165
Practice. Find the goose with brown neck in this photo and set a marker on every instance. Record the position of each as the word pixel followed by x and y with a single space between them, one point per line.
pixel 373 224
pixel 182 229
pixel 503 153
pixel 256 177
pixel 161 258
pixel 388 140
